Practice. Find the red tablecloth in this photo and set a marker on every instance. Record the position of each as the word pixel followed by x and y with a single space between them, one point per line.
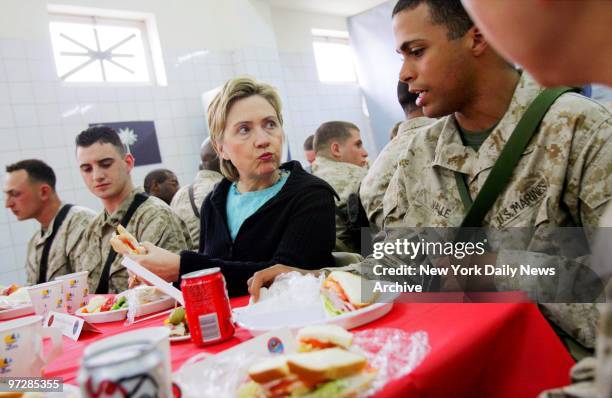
pixel 477 350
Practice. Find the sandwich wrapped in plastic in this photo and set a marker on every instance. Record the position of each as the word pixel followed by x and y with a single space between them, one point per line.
pixel 289 291
pixel 292 298
pixel 373 358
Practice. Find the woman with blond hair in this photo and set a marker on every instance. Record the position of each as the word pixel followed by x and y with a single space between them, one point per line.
pixel 262 213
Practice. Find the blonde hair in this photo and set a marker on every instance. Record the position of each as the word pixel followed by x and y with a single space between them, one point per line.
pixel 232 91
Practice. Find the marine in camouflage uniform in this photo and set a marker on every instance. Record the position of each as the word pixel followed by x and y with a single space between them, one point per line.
pixel 153 221
pixel 345 179
pixel 562 179
pixel 604 354
pixel 181 204
pixel 375 183
pixel 63 254
pixel 592 377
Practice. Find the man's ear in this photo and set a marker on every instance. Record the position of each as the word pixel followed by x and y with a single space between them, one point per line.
pixel 155 187
pixel 334 149
pixel 477 41
pixel 129 161
pixel 44 191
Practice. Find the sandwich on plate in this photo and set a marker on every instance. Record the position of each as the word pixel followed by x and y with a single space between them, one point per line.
pixel 327 373
pixel 145 294
pixel 344 292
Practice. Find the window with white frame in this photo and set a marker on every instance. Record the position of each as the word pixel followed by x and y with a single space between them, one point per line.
pixel 333 56
pixel 98 49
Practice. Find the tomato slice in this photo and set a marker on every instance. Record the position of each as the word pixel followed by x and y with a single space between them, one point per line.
pixel 129 244
pixel 318 344
pixel 335 286
pixel 107 305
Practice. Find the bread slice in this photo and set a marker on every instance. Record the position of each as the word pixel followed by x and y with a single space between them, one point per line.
pixel 328 364
pixel 326 334
pixel 358 290
pixel 269 369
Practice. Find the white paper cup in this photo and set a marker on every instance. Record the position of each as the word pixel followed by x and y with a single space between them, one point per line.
pixel 21 353
pixel 75 290
pixel 47 297
pixel 158 336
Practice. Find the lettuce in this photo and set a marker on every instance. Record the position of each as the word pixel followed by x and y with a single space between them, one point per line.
pixel 331 389
pixel 249 390
pixel 329 307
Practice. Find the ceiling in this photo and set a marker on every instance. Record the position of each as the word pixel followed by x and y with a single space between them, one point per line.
pixel 343 8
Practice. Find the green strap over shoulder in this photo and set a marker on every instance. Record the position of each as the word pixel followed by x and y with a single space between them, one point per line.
pixel 500 175
pixel 464 191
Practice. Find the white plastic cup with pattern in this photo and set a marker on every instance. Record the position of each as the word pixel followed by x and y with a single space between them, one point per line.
pixel 21 348
pixel 47 297
pixel 75 290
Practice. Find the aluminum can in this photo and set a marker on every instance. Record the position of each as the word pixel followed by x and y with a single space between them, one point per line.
pixel 133 369
pixel 207 306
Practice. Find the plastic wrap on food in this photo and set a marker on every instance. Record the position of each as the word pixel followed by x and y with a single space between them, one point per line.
pixel 132 304
pixel 215 377
pixel 392 352
pixel 289 291
pixel 17 298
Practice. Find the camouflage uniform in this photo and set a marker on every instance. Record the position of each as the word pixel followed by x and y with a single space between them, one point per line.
pixel 152 222
pixel 181 204
pixel 375 183
pixel 345 179
pixel 604 354
pixel 63 254
pixel 562 179
pixel 592 377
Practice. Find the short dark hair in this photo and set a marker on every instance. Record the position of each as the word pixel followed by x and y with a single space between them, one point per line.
pixel 406 99
pixel 38 171
pixel 158 176
pixel 308 144
pixel 328 131
pixel 102 135
pixel 445 12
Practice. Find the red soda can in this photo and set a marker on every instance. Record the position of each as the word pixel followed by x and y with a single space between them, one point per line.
pixel 207 306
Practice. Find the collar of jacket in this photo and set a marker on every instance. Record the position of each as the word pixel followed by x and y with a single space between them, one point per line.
pixel 43 235
pixel 114 219
pixel 450 152
pixel 294 183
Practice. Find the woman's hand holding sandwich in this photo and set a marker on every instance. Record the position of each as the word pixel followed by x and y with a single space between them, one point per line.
pixel 161 262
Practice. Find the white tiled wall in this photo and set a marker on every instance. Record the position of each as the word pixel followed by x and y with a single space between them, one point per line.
pixel 310 103
pixel 40 116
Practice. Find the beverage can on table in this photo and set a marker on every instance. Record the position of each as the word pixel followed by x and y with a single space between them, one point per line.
pixel 133 369
pixel 207 306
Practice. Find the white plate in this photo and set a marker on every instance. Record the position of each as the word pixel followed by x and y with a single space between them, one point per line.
pixel 258 324
pixel 155 306
pixel 175 339
pixel 163 303
pixel 103 317
pixel 21 310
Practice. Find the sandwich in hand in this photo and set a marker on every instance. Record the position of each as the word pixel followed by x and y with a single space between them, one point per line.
pixel 319 337
pixel 344 292
pixel 125 243
pixel 328 373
